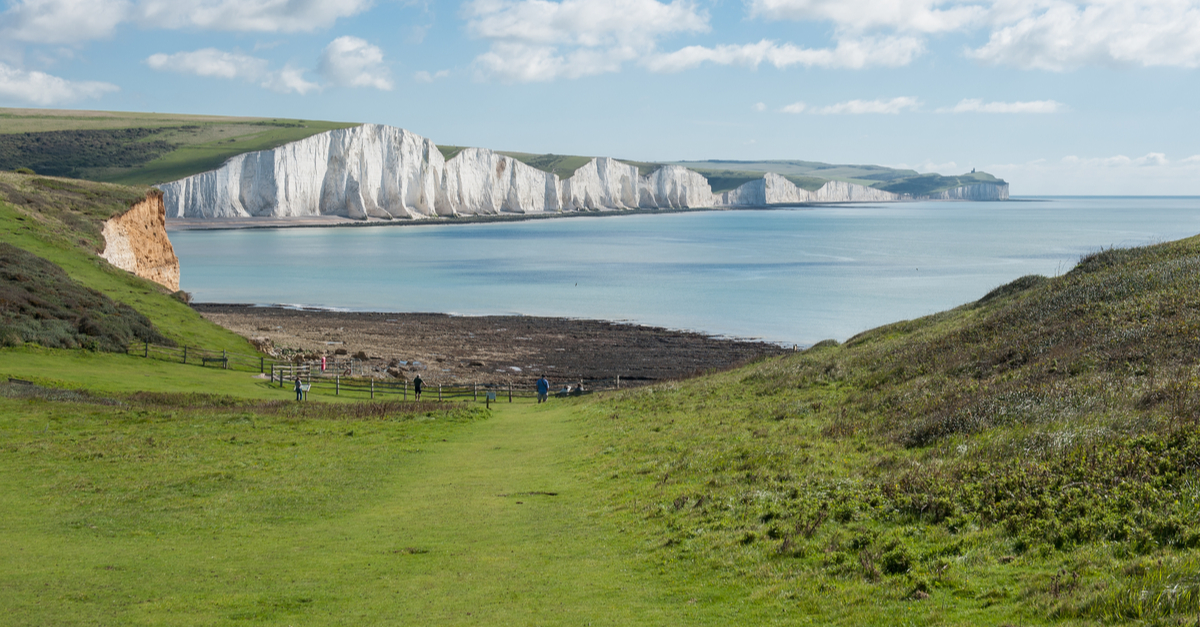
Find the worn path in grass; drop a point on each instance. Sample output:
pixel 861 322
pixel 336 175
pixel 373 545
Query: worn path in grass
pixel 496 528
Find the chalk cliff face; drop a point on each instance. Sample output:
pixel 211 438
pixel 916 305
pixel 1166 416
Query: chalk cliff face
pixel 374 171
pixel 774 189
pixel 675 187
pixel 136 241
pixel 602 184
pixel 479 181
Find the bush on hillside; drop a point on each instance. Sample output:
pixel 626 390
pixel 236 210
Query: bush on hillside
pixel 40 304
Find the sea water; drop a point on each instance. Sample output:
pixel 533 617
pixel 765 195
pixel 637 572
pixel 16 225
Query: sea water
pixel 786 275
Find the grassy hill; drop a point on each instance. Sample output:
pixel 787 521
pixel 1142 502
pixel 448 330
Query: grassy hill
pixel 137 148
pixel 1030 457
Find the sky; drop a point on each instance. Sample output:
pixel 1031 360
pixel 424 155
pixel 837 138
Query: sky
pixel 1055 96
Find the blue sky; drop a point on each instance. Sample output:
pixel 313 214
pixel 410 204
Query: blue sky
pixel 1057 96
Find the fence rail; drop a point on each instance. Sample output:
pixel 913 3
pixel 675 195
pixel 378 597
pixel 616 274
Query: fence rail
pixel 349 377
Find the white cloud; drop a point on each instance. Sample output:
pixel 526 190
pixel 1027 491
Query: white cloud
pixel 289 80
pixel 39 88
pixel 975 105
pixel 1055 35
pixel 1120 161
pixel 859 107
pixel 1151 174
pixel 62 21
pixel 538 40
pixel 247 15
pixel 210 62
pixel 849 53
pixel 923 16
pixel 353 62
pixel 760 106
pixel 213 63
pixel 77 21
pixel 1059 35
pixel 426 77
pixel 856 107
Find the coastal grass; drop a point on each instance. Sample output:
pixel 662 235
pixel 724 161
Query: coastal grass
pixel 116 373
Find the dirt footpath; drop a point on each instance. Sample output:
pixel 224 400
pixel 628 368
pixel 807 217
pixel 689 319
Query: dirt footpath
pixel 490 349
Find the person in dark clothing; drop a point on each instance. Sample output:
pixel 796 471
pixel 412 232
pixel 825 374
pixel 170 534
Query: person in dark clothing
pixel 417 385
pixel 299 390
pixel 543 389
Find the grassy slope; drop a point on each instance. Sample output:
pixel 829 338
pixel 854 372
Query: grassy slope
pixel 200 143
pixel 69 238
pixel 1031 457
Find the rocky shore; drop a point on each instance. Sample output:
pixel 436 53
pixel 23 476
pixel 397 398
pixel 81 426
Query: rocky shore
pixel 490 349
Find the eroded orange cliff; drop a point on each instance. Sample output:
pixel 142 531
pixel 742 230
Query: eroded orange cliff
pixel 137 241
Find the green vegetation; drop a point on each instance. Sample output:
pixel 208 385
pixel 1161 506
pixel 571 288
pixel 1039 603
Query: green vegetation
pixel 562 165
pixel 39 303
pixel 810 170
pixel 137 148
pixel 1033 456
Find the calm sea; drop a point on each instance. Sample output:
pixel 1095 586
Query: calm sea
pixel 784 275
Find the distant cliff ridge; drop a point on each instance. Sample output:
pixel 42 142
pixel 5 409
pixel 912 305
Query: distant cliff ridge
pixel 375 171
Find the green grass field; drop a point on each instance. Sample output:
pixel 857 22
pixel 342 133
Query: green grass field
pixel 173 146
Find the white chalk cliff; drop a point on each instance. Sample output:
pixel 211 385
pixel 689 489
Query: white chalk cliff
pixel 375 171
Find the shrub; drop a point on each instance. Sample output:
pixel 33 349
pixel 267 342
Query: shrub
pixel 39 303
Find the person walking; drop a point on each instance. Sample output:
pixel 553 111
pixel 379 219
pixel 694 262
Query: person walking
pixel 299 390
pixel 543 389
pixel 418 383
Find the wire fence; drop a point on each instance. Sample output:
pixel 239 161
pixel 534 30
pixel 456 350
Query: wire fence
pixel 349 377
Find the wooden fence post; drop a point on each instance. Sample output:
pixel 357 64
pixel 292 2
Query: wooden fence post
pixel 337 385
pixel 146 350
pixel 439 392
pixel 406 389
pixel 618 382
pixel 224 360
pixel 475 390
pixel 372 389
pixel 185 354
pixel 260 364
pixel 510 391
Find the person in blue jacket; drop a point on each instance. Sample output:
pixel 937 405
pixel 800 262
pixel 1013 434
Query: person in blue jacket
pixel 543 389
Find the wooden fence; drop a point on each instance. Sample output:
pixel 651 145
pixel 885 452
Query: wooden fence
pixel 348 377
